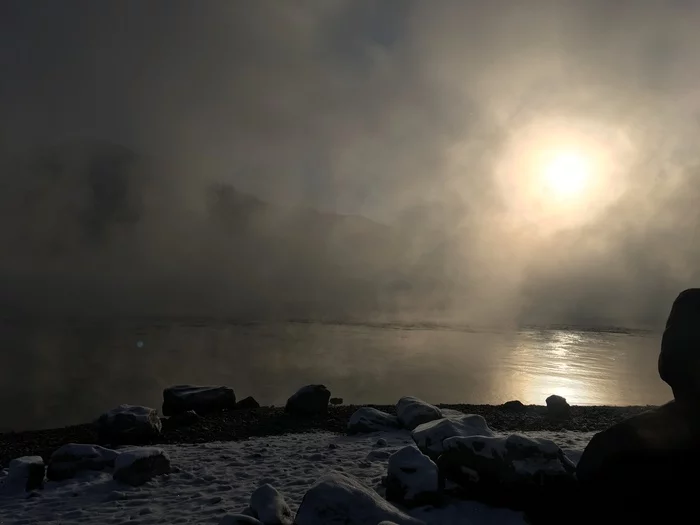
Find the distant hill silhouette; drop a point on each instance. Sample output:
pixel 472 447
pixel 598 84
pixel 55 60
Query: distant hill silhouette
pixel 93 226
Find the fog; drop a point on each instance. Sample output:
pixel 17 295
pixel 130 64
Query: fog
pixel 348 159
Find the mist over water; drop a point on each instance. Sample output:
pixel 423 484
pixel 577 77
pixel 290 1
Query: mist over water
pixel 68 373
pixel 342 160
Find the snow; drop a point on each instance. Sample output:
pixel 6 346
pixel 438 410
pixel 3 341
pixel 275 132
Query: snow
pixel 129 456
pixel 211 480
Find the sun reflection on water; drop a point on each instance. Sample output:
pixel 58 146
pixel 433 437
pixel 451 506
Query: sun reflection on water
pixel 552 362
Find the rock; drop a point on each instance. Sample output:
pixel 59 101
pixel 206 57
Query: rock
pixel 381 442
pixel 338 499
pixel 72 458
pixel 25 473
pixel 451 413
pixel 514 406
pixel 412 478
pixel 557 407
pixel 138 465
pixel 649 455
pixel 268 506
pixel 239 519
pixel 309 400
pixel 430 436
pixel 129 423
pixel 368 419
pixel 247 403
pixel 336 401
pixel 185 419
pixel 412 412
pixel 202 399
pixel 680 347
pixel 513 471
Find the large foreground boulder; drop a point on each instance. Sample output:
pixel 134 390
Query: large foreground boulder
pixel 139 465
pixel 412 478
pixel 269 506
pixel 309 400
pixel 25 473
pixel 412 412
pixel 368 419
pixel 202 399
pixel 338 499
pixel 514 471
pixel 430 436
pixel 129 424
pixel 72 458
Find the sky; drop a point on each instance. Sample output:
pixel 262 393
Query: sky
pixel 427 117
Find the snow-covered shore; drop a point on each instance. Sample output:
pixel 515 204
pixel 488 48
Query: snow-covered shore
pixel 213 479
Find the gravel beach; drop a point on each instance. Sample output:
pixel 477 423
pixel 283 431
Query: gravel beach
pixel 271 421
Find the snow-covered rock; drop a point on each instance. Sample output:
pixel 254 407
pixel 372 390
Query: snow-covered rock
pixel 430 436
pixel 412 478
pixel 368 419
pixel 451 413
pixel 309 400
pixel 557 407
pixel 129 422
pixel 269 506
pixel 338 499
pixel 239 519
pixel 69 459
pixel 515 459
pixel 412 412
pixel 202 399
pixel 138 465
pixel 25 473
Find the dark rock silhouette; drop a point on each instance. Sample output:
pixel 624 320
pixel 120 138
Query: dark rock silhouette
pixel 202 399
pixel 309 400
pixel 247 403
pixel 650 456
pixel 557 407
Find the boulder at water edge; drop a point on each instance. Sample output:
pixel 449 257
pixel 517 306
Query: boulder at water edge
pixel 25 473
pixel 309 400
pixel 72 458
pixel 514 406
pixel 412 412
pixel 138 465
pixel 368 419
pixel 247 403
pixel 430 436
pixel 512 471
pixel 338 499
pixel 269 506
pixel 202 399
pixel 128 424
pixel 412 478
pixel 557 407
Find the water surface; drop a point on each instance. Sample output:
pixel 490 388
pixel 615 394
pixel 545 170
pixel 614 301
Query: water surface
pixel 59 373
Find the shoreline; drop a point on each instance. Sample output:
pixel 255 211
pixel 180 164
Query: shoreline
pixel 237 425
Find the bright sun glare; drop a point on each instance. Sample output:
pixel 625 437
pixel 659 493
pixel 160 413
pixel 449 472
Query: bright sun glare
pixel 566 173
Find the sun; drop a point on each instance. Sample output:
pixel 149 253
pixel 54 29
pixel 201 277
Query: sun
pixel 566 173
